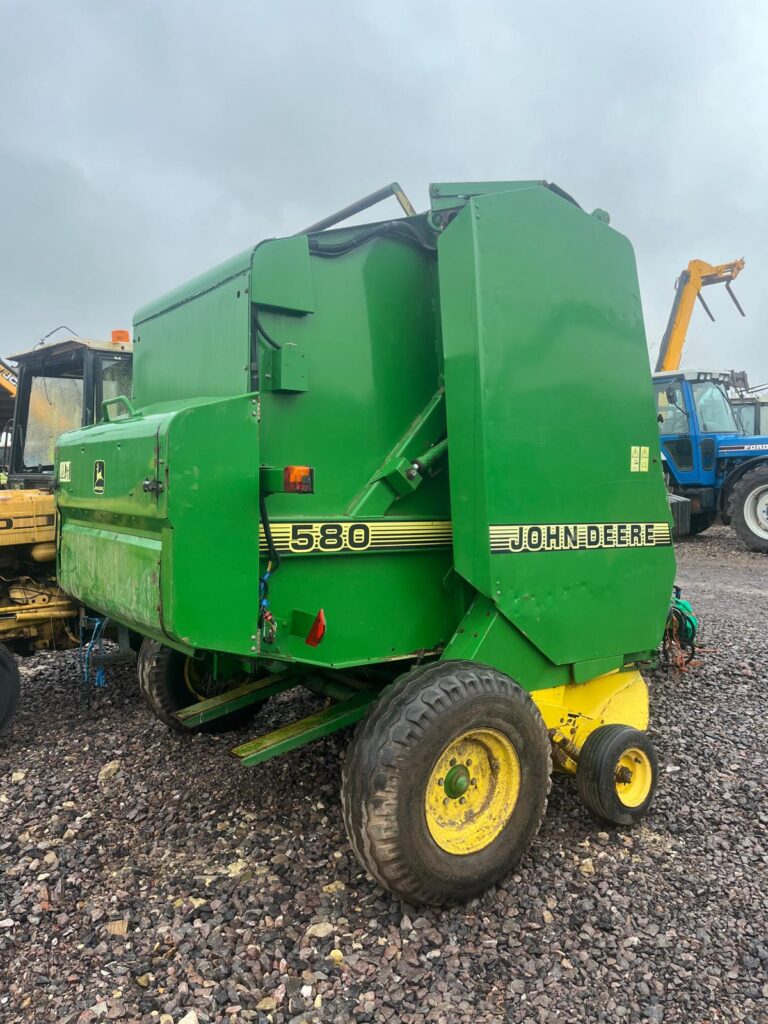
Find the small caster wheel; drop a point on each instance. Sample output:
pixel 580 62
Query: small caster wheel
pixel 617 774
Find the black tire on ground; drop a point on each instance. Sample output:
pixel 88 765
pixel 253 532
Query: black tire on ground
pixel 163 687
pixel 747 508
pixel 605 752
pixel 10 687
pixel 391 766
pixel 701 521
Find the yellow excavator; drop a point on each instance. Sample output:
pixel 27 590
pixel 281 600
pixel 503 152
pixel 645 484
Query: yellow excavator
pixel 688 288
pixel 59 387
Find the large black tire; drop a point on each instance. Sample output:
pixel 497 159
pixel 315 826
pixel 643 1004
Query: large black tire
pixel 748 508
pixel 162 684
pixel 701 521
pixel 10 687
pixel 606 752
pixel 391 766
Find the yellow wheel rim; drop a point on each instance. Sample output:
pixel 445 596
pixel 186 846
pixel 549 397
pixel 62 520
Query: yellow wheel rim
pixel 472 791
pixel 634 777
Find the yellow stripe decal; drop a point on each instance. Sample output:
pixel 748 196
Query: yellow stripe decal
pixel 334 537
pixel 577 536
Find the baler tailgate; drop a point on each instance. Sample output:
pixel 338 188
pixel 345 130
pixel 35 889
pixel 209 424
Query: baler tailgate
pixel 570 539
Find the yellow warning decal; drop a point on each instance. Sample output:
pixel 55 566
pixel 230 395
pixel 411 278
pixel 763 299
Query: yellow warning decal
pixel 335 537
pixel 577 536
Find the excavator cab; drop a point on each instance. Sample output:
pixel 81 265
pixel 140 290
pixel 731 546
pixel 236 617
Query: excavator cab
pixel 62 387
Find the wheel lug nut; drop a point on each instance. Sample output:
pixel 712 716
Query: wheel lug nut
pixel 469 762
pixel 463 800
pixel 441 782
pixel 453 761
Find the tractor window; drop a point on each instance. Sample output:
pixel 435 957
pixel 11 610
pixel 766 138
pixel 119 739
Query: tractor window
pixel 747 418
pixel 713 408
pixel 673 419
pixel 55 406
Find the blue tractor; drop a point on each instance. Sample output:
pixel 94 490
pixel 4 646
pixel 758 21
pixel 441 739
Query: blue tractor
pixel 709 458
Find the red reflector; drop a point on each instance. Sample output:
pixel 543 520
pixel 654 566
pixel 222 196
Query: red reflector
pixel 299 479
pixel 317 632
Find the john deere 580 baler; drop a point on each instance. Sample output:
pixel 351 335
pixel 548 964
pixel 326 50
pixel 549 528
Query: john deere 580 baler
pixel 412 466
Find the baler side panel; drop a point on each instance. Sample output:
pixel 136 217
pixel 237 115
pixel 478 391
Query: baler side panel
pixel 372 368
pixel 544 342
pixel 112 531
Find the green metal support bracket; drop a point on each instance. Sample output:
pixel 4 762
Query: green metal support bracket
pixel 305 730
pixel 249 693
pixel 396 476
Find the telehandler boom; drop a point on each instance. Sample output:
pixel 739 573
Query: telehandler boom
pixel 688 286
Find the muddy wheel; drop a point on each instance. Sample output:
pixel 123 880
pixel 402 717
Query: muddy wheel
pixel 170 681
pixel 445 783
pixel 748 508
pixel 10 687
pixel 617 774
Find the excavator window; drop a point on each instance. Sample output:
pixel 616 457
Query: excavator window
pixel 115 377
pixel 55 406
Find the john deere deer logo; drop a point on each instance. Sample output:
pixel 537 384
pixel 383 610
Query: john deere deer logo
pixel 98 476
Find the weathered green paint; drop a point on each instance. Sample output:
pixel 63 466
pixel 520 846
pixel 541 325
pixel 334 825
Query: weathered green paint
pixel 505 354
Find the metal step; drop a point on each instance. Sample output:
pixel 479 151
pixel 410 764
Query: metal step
pixel 216 707
pixel 296 734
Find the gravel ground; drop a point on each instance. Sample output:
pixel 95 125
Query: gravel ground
pixel 182 887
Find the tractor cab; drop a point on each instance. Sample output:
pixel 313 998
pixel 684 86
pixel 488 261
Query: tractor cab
pixel 62 387
pixel 709 457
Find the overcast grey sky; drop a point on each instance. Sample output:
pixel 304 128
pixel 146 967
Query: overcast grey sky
pixel 142 142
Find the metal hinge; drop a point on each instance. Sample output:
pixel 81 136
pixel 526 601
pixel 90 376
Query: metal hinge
pixel 152 486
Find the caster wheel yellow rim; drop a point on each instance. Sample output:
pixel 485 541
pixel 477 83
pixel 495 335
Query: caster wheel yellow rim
pixel 634 777
pixel 472 791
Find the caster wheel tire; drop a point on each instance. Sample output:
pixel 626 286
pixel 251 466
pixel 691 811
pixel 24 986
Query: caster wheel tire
pixel 446 781
pixel 617 774
pixel 10 687
pixel 169 681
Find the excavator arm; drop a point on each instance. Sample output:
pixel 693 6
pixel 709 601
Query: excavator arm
pixel 8 378
pixel 696 276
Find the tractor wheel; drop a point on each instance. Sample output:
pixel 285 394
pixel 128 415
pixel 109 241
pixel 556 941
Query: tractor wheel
pixel 701 521
pixel 748 508
pixel 617 773
pixel 445 783
pixel 9 688
pixel 169 681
